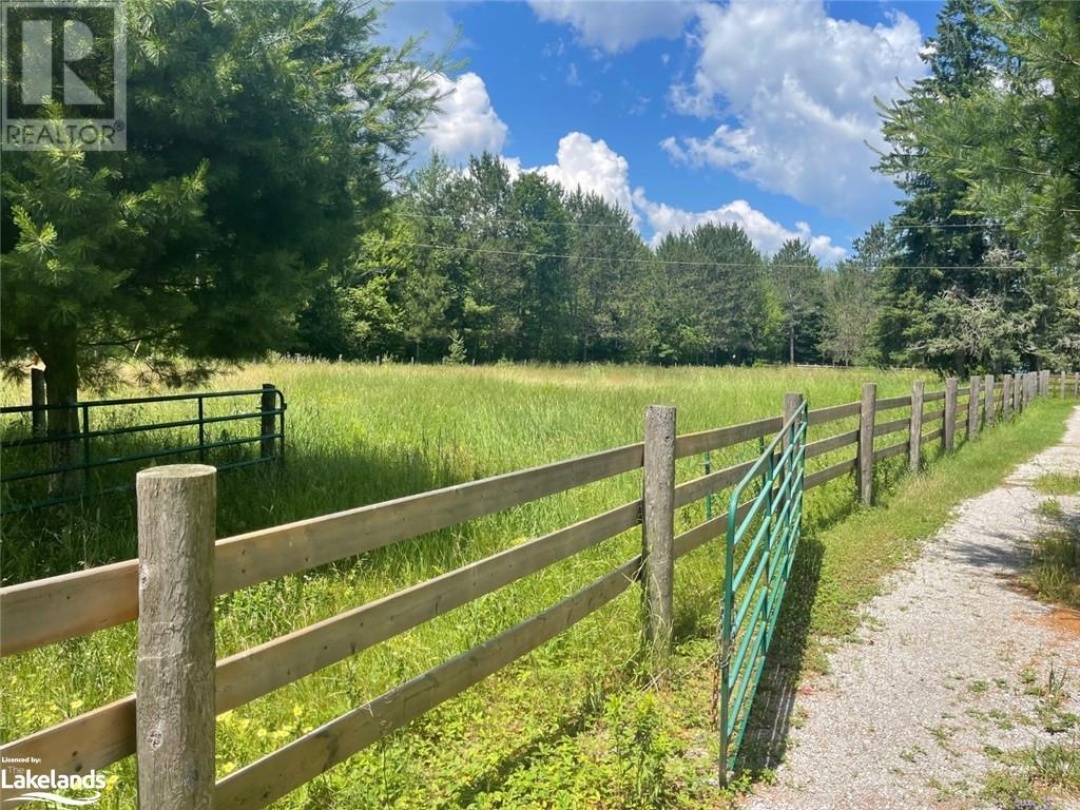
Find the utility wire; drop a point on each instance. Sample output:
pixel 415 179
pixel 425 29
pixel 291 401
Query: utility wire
pixel 675 263
pixel 571 224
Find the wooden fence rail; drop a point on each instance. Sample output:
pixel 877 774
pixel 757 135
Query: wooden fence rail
pixel 178 561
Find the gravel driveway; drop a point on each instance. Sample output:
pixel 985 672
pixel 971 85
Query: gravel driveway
pixel 953 664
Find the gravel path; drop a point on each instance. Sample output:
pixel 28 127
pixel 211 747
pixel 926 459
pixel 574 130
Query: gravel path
pixel 951 661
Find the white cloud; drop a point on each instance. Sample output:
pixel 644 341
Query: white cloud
pixel 795 91
pixel 617 26
pixel 593 166
pixel 465 123
pixel 767 235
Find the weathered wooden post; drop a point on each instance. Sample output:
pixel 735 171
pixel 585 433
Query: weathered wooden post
pixel 988 406
pixel 1061 379
pixel 1006 396
pixel 949 428
pixel 1045 383
pixel 1076 385
pixel 39 415
pixel 866 443
pixel 174 678
pixel 658 527
pixel 918 388
pixel 269 419
pixel 973 409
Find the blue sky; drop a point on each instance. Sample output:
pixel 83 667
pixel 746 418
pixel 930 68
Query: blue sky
pixel 757 113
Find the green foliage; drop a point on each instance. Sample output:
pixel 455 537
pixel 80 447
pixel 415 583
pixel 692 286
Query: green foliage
pixel 1057 483
pixel 457 355
pixel 796 276
pixel 260 136
pixel 850 306
pixel 1053 572
pixel 987 276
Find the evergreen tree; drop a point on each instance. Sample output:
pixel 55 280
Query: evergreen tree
pixel 259 138
pixel 797 279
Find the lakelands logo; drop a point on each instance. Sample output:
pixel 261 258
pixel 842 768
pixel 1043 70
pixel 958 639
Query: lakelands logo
pixel 64 66
pixel 18 777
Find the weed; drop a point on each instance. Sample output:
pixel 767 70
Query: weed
pixel 1058 483
pixel 1050 509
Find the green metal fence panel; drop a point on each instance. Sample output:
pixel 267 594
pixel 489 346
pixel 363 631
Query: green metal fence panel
pixel 29 465
pixel 759 556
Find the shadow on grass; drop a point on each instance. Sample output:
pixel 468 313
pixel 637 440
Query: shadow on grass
pixel 499 771
pixel 99 530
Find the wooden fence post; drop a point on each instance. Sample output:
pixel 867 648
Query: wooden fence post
pixel 1061 378
pixel 988 400
pixel 973 409
pixel 37 400
pixel 174 678
pixel 1006 396
pixel 1020 384
pixel 949 428
pixel 1045 383
pixel 866 443
pixel 658 526
pixel 1076 385
pixel 915 429
pixel 269 419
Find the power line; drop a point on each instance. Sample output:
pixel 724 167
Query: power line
pixel 604 226
pixel 675 263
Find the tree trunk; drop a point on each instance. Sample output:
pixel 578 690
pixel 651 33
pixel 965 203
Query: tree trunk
pixel 62 389
pixel 791 345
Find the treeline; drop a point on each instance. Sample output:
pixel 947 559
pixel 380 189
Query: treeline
pixel 474 265
pixel 978 271
pixel 215 235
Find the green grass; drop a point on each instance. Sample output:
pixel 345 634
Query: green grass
pixel 1053 571
pixel 1036 776
pixel 1057 483
pixel 601 735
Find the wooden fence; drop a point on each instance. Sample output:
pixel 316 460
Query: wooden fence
pixel 171 586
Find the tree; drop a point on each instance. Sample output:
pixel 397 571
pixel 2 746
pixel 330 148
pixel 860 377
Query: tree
pixel 259 137
pixel 796 276
pixel 850 307
pixel 940 241
pixel 491 317
pixel 539 234
pixel 1005 144
pixel 709 298
pixel 608 261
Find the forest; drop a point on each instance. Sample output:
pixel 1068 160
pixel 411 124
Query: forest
pixel 217 237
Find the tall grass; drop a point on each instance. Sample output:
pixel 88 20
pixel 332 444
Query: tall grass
pixel 360 434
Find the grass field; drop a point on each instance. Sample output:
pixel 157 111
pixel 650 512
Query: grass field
pixel 569 726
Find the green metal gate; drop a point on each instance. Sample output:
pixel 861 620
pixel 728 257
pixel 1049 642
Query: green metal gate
pixel 762 537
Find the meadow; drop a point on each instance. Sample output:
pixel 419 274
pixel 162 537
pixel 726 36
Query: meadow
pixel 578 722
